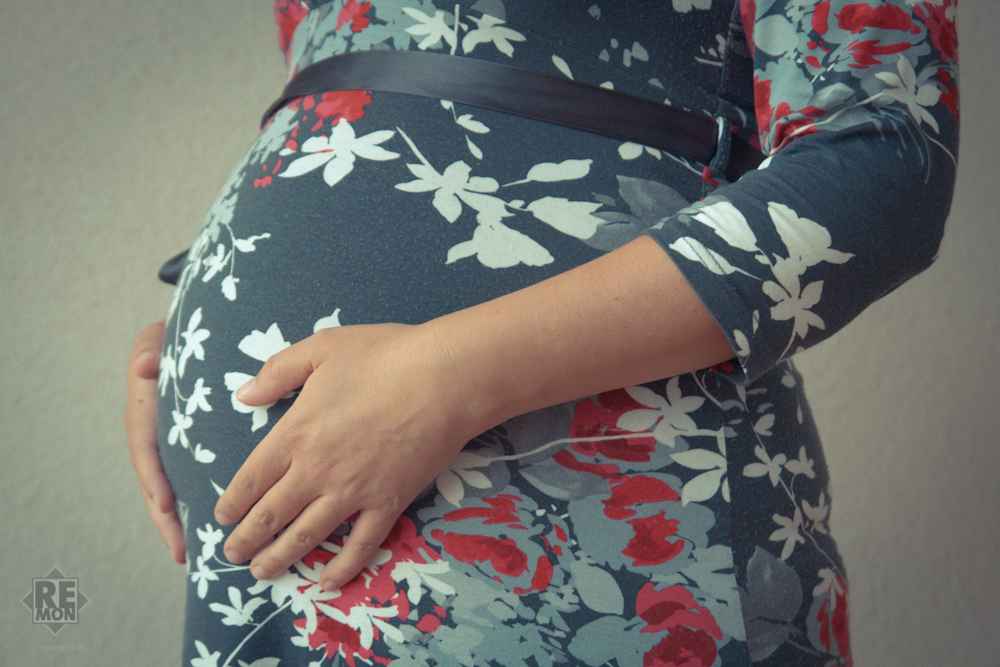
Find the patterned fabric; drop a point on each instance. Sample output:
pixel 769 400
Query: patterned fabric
pixel 677 523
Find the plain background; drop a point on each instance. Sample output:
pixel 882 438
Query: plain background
pixel 119 123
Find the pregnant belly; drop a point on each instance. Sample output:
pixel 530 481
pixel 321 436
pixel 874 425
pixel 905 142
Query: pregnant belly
pixel 361 208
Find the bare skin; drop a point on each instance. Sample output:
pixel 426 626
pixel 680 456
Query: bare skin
pixel 140 427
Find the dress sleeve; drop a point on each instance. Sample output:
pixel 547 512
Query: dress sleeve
pixel 856 107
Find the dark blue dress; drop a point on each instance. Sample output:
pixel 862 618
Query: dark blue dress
pixel 677 523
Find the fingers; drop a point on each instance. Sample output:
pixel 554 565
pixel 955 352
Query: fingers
pixel 281 373
pixel 170 530
pixel 144 361
pixel 368 532
pixel 267 463
pixel 311 527
pixel 279 507
pixel 140 416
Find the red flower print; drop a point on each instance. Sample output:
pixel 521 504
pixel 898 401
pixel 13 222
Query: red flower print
pixel 821 17
pixel 374 588
pixel 833 619
pixel 356 13
pixel 692 631
pixel 500 552
pixel 944 36
pixel 865 52
pixel 287 14
pixel 726 367
pixel 949 93
pixel 682 648
pixel 650 545
pixel 651 542
pixel 748 10
pixel 501 510
pixel 629 491
pixel 783 129
pixel 857 16
pixel 597 416
pixel 347 104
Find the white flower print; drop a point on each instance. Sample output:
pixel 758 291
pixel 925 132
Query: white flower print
pixel 573 218
pixel 768 466
pixel 827 582
pixel 168 369
pixel 339 152
pixel 807 241
pixel 202 575
pixel 432 28
pixel 193 339
pixel 669 414
pixel 789 532
pixel 198 398
pixel 205 658
pixel 178 431
pixel 684 6
pixel 802 465
pixel 210 538
pixel 498 246
pixel 330 321
pixel 260 346
pixel 729 223
pixel 237 612
pixel 490 29
pixel 418 575
pixel 916 93
pixel 450 188
pixel 818 514
pixel 364 618
pixel 704 486
pixel 302 594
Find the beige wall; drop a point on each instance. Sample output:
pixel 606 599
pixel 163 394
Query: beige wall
pixel 119 120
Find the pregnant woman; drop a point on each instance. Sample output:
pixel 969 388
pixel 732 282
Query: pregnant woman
pixel 442 384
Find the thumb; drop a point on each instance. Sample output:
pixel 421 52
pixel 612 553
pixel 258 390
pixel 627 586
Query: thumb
pixel 283 372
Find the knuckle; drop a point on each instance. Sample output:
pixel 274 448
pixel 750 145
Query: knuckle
pixel 274 368
pixel 265 518
pixel 296 434
pixel 247 483
pixel 303 537
pixel 365 547
pixel 394 502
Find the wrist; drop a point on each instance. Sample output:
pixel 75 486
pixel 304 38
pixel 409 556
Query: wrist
pixel 469 372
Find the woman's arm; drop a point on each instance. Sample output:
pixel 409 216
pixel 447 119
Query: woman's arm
pixel 624 318
pixel 857 108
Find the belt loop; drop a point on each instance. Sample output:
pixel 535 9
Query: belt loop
pixel 715 172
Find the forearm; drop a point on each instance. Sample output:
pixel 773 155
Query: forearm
pixel 627 317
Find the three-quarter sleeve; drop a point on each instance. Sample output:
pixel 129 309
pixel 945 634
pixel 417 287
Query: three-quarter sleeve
pixel 856 107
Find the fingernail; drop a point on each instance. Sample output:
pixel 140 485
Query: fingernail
pixel 242 392
pixel 327 584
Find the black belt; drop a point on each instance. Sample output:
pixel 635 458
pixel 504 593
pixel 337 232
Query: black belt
pixel 518 91
pixel 523 92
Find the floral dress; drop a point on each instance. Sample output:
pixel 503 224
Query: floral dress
pixel 682 522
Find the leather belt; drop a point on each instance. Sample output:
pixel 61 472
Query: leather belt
pixel 523 92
